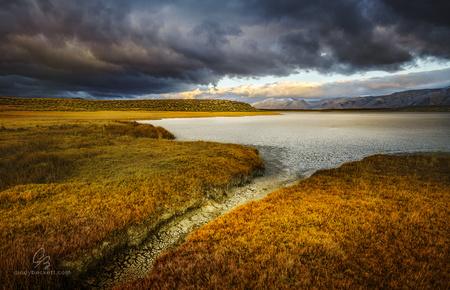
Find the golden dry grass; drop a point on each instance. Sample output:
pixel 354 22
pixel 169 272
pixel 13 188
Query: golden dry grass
pixel 378 223
pixel 68 187
pixel 9 118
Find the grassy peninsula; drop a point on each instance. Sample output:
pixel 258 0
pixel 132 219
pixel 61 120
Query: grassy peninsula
pixel 44 109
pixel 178 105
pixel 378 223
pixel 69 187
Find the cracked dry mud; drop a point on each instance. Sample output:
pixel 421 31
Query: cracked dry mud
pixel 136 262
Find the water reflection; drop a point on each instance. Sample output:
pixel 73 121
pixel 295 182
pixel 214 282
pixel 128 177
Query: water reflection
pixel 300 143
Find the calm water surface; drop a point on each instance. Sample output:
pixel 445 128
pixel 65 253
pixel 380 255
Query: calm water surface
pixel 300 143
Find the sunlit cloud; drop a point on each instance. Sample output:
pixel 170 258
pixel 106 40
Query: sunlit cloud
pixel 317 90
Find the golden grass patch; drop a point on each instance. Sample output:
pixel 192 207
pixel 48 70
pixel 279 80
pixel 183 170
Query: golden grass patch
pixel 378 223
pixel 69 187
pixel 9 118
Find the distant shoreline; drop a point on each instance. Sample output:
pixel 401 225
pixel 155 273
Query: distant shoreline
pixel 435 108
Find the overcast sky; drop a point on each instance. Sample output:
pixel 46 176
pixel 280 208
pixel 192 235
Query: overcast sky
pixel 232 49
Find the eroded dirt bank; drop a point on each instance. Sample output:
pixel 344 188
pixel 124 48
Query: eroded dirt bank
pixel 135 261
pixel 130 255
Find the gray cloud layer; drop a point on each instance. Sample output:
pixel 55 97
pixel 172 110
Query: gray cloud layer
pixel 320 90
pixel 128 48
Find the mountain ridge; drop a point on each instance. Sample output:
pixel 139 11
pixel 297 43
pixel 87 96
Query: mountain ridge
pixel 424 97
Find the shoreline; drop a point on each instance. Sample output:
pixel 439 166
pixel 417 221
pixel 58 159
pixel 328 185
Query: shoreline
pixel 29 116
pixel 410 109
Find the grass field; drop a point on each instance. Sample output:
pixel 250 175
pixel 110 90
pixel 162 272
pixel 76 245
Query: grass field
pixel 67 187
pixel 53 104
pixel 34 117
pixel 34 111
pixel 378 223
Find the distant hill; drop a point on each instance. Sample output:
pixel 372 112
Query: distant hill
pixel 428 97
pixel 284 103
pixel 50 104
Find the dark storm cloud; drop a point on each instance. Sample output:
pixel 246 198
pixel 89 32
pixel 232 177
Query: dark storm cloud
pixel 130 48
pixel 423 25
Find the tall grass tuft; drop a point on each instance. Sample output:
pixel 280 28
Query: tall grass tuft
pixel 140 130
pixel 32 167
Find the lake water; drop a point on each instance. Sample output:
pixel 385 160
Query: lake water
pixel 301 143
